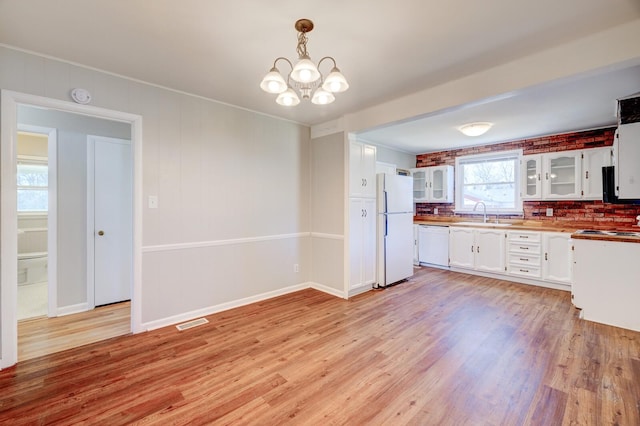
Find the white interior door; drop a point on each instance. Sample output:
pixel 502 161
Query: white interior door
pixel 113 220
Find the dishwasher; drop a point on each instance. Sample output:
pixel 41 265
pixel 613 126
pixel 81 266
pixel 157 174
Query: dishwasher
pixel 433 246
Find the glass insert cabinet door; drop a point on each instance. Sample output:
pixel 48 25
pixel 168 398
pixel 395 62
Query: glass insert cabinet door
pixel 533 177
pixel 562 175
pixel 420 190
pixel 437 184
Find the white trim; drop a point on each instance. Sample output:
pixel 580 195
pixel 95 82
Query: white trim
pixel 152 325
pixel 512 278
pixel 187 316
pixel 359 290
pixel 73 309
pixel 326 289
pixel 90 232
pixel 215 243
pixel 9 101
pixel 327 236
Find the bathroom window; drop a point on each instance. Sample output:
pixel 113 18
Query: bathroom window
pixel 33 191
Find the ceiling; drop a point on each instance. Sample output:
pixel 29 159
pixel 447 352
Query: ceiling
pixel 221 49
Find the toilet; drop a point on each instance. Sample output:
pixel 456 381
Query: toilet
pixel 32 268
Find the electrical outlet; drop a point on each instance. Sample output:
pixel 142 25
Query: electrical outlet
pixel 549 212
pixel 296 268
pixel 435 210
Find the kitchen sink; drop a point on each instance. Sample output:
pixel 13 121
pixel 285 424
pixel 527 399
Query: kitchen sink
pixel 487 224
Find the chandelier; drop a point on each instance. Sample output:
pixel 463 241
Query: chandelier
pixel 305 77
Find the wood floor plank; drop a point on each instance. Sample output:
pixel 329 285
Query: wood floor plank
pixel 442 348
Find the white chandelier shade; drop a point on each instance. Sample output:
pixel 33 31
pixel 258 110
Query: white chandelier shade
pixel 305 79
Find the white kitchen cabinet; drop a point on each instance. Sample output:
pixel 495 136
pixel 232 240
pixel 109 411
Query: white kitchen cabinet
pixel 362 170
pixel 433 184
pixel 461 247
pixel 593 160
pixel 531 171
pixel 573 175
pixel 557 264
pixel 562 175
pixel 606 282
pixel 628 156
pixel 433 242
pixel 362 242
pixel 524 249
pixel 416 242
pixel 477 248
pixel 490 249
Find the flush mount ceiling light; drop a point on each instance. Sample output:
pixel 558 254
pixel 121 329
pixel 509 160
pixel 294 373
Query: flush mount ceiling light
pixel 305 77
pixel 475 129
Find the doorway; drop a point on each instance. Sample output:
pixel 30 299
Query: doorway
pixel 11 101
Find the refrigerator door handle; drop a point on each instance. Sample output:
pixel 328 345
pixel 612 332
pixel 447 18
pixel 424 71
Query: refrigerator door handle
pixel 385 202
pixel 386 226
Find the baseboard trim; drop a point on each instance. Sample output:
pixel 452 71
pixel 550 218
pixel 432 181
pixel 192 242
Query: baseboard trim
pixel 520 280
pixel 72 309
pixel 326 289
pixel 210 310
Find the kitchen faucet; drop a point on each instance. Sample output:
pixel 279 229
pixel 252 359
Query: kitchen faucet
pixel 484 210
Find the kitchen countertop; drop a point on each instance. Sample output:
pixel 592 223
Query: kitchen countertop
pixel 545 225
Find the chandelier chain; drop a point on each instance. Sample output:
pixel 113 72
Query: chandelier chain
pixel 302 45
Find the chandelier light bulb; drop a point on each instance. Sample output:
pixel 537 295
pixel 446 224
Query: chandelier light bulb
pixel 305 71
pixel 322 97
pixel 288 98
pixel 335 82
pixel 273 82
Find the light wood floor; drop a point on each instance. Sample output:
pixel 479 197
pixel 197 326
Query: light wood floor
pixel 44 336
pixel 442 349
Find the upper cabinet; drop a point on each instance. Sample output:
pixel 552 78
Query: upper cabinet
pixel 433 184
pixel 572 175
pixel 561 172
pixel 362 170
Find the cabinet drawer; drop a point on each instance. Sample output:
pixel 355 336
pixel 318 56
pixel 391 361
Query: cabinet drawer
pixel 524 248
pixel 524 236
pixel 525 271
pixel 524 260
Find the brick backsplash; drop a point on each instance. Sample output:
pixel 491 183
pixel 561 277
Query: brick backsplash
pixel 583 211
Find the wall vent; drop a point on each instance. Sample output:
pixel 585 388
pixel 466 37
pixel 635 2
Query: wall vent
pixel 191 324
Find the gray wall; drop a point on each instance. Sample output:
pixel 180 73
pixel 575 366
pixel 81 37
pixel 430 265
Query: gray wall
pixel 402 160
pixel 327 210
pixel 232 185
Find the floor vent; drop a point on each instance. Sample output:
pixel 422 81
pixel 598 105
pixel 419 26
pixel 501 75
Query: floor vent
pixel 191 324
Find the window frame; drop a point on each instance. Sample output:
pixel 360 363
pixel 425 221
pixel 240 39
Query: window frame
pixel 497 155
pixel 35 161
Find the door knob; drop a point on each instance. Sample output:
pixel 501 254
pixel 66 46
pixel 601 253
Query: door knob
pixel 101 233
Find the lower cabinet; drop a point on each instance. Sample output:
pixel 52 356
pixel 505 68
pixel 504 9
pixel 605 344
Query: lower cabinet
pixel 532 255
pixel 557 263
pixel 362 242
pixel 478 249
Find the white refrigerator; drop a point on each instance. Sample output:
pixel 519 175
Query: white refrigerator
pixel 395 228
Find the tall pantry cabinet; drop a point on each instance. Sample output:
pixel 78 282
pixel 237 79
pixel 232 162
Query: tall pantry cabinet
pixel 362 216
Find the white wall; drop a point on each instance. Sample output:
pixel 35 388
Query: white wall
pixel 232 185
pixel 402 160
pixel 327 210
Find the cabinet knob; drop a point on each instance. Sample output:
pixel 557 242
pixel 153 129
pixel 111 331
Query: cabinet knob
pixel 101 233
